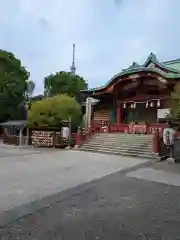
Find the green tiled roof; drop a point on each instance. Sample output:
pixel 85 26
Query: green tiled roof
pixel 152 58
pixel 132 66
pixel 16 123
pixel 175 64
pixel 172 66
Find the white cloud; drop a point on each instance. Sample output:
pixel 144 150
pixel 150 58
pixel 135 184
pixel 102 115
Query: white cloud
pixel 109 34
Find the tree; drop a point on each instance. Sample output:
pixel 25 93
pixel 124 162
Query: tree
pixel 37 98
pixel 64 83
pixel 175 106
pixel 50 111
pixel 13 85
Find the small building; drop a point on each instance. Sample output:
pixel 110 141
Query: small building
pixel 137 95
pixel 14 132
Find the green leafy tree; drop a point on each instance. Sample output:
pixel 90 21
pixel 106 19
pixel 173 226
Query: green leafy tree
pixel 50 111
pixel 64 83
pixel 37 98
pixel 13 85
pixel 175 106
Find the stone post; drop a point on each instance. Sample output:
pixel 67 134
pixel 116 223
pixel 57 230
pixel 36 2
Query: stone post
pixel 20 136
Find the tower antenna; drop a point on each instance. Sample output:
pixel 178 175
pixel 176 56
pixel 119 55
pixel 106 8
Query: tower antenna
pixel 73 66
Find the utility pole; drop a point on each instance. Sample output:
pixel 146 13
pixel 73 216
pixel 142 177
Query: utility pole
pixel 73 66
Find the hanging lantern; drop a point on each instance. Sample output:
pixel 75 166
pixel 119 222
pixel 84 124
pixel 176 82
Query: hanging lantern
pixel 134 105
pixel 146 104
pixel 158 103
pixel 151 104
pixel 124 105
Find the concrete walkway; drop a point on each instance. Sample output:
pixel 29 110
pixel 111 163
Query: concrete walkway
pixel 35 174
pixel 161 172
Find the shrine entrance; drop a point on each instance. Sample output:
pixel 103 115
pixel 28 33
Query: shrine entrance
pixel 140 99
pixel 140 114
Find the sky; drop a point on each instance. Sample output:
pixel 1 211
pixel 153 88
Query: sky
pixel 109 35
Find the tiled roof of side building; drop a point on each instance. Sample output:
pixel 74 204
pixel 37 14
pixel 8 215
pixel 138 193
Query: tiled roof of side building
pixel 172 66
pixel 172 61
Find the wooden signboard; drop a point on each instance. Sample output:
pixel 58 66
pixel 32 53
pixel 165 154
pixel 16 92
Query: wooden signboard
pixel 42 138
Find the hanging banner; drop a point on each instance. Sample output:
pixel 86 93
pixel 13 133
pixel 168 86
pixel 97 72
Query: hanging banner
pixel 163 113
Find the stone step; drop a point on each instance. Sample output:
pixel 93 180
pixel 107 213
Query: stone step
pixel 122 136
pixel 119 133
pixel 123 148
pixel 119 149
pixel 109 143
pixel 126 142
pixel 122 144
pixel 139 155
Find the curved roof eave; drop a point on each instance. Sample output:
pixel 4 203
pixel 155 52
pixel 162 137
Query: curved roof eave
pixel 160 65
pixel 133 71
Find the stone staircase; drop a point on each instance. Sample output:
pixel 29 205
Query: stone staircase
pixel 123 144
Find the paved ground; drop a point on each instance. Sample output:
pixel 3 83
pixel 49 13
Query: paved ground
pixel 27 174
pixel 122 205
pixel 163 172
pixel 114 207
pixel 167 166
pixel 11 151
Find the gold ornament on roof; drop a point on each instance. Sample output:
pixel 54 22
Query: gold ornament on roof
pixel 161 79
pixel 134 77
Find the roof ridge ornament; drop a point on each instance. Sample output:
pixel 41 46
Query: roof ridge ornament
pixel 151 65
pixel 152 57
pixel 135 64
pixel 151 61
pixel 132 66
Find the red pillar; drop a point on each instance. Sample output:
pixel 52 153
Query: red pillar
pixel 89 131
pixel 78 138
pixel 156 142
pixel 118 114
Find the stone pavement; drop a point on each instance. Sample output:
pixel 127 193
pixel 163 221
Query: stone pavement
pixel 27 175
pixel 82 195
pixel 167 166
pixel 113 207
pixel 161 172
pixel 14 151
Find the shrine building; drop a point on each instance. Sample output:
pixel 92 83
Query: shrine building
pixel 138 95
